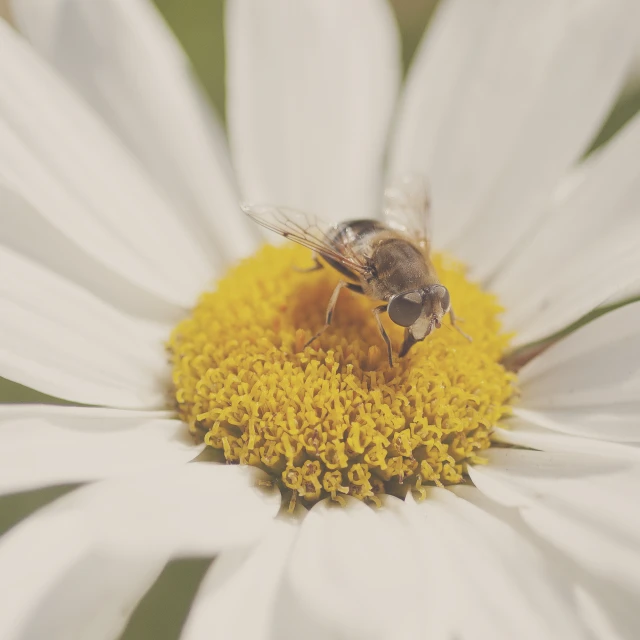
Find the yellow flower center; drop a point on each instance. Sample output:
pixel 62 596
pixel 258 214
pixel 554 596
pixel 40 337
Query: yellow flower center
pixel 334 418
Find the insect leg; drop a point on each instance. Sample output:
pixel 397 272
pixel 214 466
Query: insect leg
pixel 355 287
pixel 377 311
pixel 330 309
pixel 455 326
pixel 317 265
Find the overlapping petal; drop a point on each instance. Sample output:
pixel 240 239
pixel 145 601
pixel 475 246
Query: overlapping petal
pixel 30 234
pixel 581 504
pixel 61 340
pixel 42 446
pixel 502 99
pixel 443 568
pixel 122 58
pixel 606 611
pixel 585 251
pixel 197 509
pixel 499 585
pixel 70 169
pixel 588 383
pixel 531 436
pixel 336 574
pixel 55 583
pixel 81 564
pixel 240 589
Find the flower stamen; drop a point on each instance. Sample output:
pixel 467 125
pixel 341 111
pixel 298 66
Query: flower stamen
pixel 334 418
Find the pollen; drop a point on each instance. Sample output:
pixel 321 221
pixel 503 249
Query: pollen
pixel 334 419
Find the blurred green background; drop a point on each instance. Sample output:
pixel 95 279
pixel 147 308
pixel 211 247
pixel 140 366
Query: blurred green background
pixel 198 25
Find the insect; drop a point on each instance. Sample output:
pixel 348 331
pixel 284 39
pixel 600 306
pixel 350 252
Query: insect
pixel 388 261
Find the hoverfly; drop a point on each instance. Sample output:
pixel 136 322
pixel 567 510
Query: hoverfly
pixel 388 261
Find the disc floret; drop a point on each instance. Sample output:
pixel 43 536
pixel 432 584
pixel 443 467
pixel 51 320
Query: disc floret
pixel 334 418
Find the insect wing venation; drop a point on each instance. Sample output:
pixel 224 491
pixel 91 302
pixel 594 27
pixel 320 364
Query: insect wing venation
pixel 406 206
pixel 310 232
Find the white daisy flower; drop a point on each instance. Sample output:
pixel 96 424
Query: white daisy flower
pixel 119 208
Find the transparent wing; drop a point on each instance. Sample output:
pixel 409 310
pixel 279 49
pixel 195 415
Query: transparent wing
pixel 407 204
pixel 308 231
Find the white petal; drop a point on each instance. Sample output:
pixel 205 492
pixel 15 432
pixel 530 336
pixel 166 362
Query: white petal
pixel 194 509
pixel 608 612
pixel 54 584
pixel 522 434
pixel 613 422
pixel 90 536
pixel 507 587
pixel 125 62
pixel 80 417
pixel 31 234
pixel 586 506
pixel 599 624
pixel 503 97
pixel 589 382
pixel 585 252
pixel 67 164
pixel 77 444
pixel 238 580
pixel 59 339
pixel 344 563
pixel 95 598
pixel 310 88
pixel 405 569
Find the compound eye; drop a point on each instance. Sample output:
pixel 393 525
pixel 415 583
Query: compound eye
pixel 445 299
pixel 405 308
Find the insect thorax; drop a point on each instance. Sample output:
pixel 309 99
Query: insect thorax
pixel 400 266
